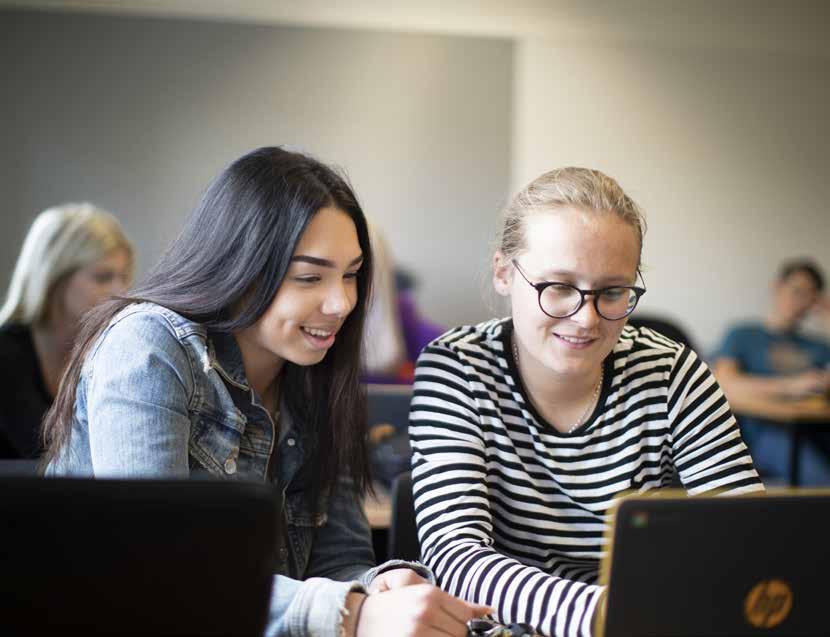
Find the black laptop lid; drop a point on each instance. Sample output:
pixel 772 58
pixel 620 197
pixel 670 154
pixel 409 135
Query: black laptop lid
pixel 720 566
pixel 146 557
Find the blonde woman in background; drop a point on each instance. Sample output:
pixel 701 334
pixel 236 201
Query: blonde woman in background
pixel 384 349
pixel 74 256
pixel 395 331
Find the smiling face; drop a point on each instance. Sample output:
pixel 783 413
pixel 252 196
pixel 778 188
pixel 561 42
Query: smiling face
pixel 318 293
pixel 586 249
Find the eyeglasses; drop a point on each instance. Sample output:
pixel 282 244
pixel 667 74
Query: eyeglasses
pixel 561 300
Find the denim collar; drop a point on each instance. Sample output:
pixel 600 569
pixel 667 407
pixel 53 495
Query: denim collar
pixel 226 357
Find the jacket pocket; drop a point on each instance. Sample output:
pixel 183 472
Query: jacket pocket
pixel 215 440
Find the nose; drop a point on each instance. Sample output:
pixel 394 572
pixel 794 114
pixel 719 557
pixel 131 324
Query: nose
pixel 587 316
pixel 338 301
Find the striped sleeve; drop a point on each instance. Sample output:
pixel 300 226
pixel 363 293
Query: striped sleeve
pixel 453 510
pixel 709 453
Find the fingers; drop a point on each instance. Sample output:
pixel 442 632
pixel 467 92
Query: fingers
pixel 419 610
pixel 453 614
pixel 463 611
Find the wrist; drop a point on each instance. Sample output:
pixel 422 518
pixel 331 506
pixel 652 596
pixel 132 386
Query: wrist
pixel 351 613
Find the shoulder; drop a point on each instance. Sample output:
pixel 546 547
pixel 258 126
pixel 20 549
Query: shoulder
pixel 17 351
pixel 148 332
pixel 481 341
pixel 474 352
pixel 646 363
pixel 636 340
pixel 643 350
pixel 152 318
pixel 747 331
pixel 15 340
pixel 814 342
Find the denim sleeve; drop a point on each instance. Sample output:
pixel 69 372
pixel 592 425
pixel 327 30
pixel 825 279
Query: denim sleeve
pixel 140 383
pixel 311 607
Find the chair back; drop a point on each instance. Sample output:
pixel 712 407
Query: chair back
pixel 403 532
pixel 388 407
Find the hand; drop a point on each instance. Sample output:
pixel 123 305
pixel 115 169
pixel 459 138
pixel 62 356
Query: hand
pixel 396 578
pixel 813 381
pixel 421 610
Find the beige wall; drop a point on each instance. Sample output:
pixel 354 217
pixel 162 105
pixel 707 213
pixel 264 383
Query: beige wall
pixel 727 149
pixel 137 114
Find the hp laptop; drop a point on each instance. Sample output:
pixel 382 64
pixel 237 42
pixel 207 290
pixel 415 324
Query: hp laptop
pixel 135 557
pixel 706 566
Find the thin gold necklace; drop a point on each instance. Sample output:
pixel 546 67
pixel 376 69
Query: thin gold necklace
pixel 594 394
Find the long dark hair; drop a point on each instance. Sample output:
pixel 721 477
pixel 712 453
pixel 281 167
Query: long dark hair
pixel 224 270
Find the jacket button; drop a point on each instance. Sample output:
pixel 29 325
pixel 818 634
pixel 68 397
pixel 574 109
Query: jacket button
pixel 291 442
pixel 230 466
pixel 283 554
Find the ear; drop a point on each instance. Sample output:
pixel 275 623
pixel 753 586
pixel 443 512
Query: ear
pixel 502 274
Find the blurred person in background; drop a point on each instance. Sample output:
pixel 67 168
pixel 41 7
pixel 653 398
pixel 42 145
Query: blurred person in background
pixel 73 257
pixel 776 359
pixel 395 331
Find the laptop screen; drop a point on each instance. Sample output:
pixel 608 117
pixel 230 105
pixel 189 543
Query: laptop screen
pixel 704 566
pixel 137 557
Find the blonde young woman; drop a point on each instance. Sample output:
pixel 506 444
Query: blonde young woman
pixel 74 256
pixel 525 429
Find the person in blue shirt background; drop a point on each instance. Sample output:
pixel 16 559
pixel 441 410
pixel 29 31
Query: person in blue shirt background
pixel 774 358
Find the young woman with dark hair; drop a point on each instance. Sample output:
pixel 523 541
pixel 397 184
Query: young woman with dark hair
pixel 239 356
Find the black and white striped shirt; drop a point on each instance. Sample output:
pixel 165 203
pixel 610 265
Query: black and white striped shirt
pixel 512 513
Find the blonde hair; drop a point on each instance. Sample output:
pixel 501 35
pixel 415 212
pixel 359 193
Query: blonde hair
pixel 582 188
pixel 60 241
pixel 384 348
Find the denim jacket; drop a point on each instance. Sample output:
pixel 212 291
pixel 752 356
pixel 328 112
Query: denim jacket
pixel 159 396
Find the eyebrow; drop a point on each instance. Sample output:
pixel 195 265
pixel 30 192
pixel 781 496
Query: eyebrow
pixel 325 263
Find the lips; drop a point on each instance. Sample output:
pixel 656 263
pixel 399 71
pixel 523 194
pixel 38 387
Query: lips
pixel 317 332
pixel 319 337
pixel 575 342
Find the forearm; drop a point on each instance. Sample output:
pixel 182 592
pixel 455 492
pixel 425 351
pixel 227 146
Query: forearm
pixel 707 449
pixel 315 606
pixel 741 388
pixel 553 605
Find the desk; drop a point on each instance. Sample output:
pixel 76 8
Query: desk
pixel 378 509
pixel 797 417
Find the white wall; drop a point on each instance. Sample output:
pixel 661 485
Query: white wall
pixel 712 114
pixel 727 150
pixel 138 114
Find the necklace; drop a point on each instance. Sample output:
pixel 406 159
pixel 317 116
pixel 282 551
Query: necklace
pixel 591 402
